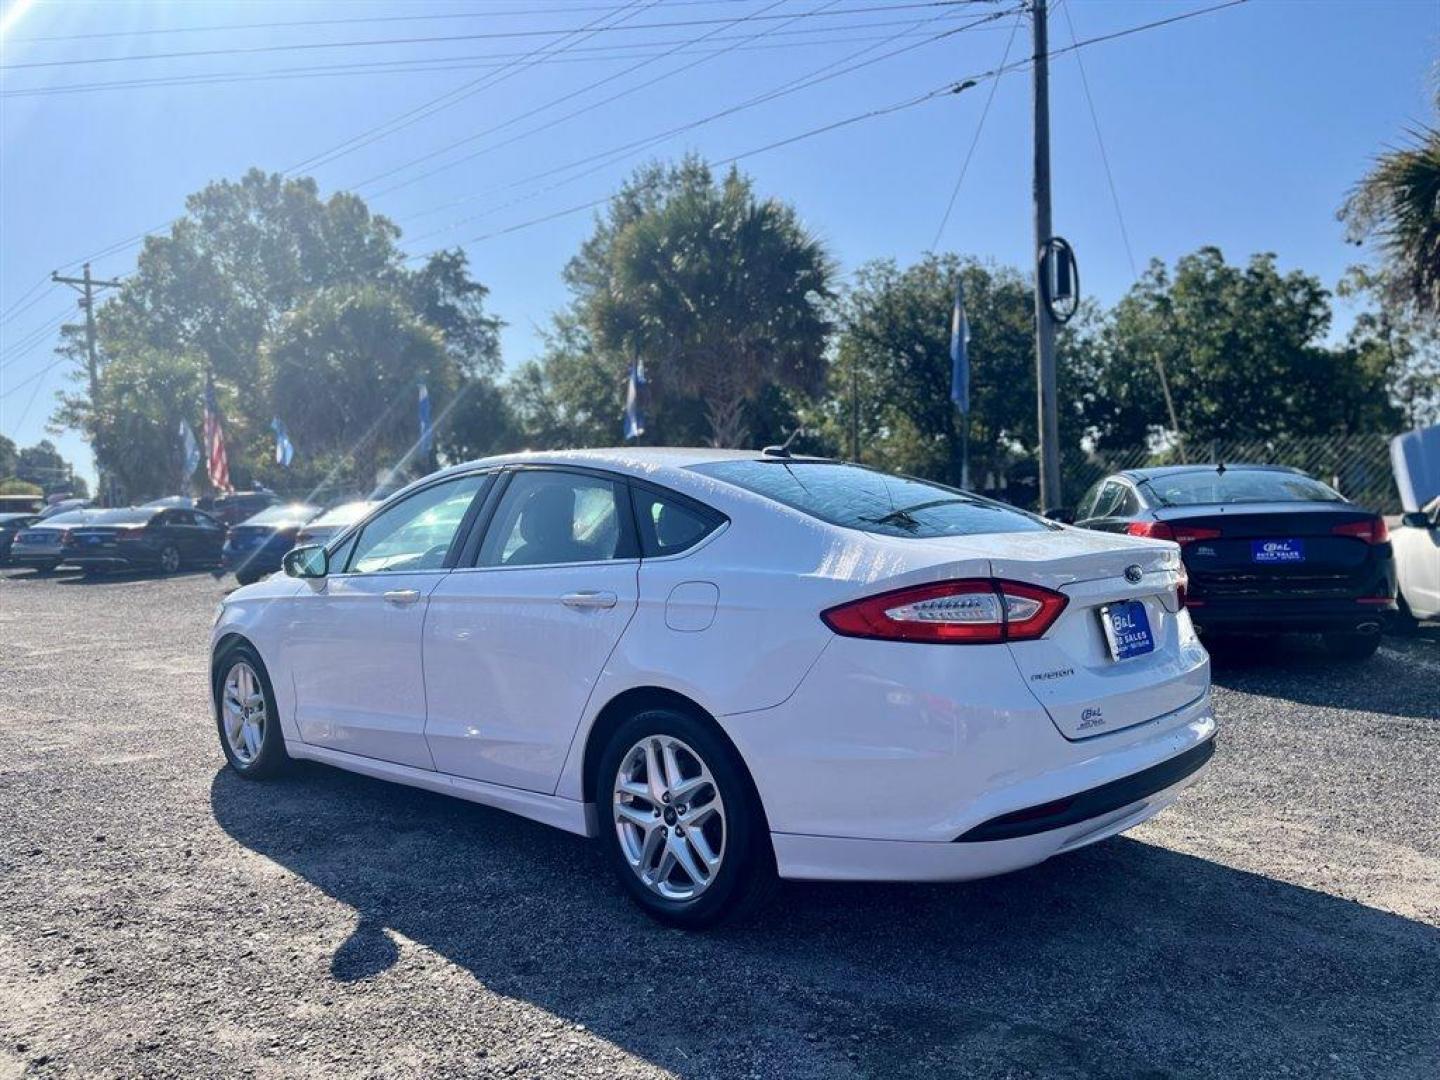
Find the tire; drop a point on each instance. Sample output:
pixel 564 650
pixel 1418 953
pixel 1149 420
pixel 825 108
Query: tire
pixel 253 756
pixel 45 568
pixel 246 577
pixel 1351 646
pixel 1403 622
pixel 169 559
pixel 734 831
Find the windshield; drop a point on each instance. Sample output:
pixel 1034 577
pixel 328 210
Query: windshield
pixel 128 515
pixel 1238 486
pixel 279 515
pixel 861 498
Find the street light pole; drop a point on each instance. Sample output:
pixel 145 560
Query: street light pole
pixel 1045 381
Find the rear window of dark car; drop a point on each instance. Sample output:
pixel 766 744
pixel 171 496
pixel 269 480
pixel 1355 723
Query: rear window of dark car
pixel 1238 486
pixel 130 515
pixel 290 513
pixel 877 502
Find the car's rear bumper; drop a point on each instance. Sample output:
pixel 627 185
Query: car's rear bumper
pixel 262 560
pixel 38 558
pixel 1291 616
pixel 831 858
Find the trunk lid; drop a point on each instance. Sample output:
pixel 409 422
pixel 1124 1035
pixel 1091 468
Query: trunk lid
pixel 1288 550
pixel 1071 670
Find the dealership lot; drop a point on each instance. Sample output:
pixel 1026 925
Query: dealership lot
pixel 160 917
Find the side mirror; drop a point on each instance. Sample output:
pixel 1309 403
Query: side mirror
pixel 307 562
pixel 1063 514
pixel 1417 519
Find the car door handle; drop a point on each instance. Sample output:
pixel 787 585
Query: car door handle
pixel 402 596
pixel 590 599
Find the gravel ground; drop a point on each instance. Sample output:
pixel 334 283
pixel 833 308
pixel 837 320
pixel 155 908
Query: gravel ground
pixel 159 917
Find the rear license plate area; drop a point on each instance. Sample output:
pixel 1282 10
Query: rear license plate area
pixel 1127 630
pixel 1270 552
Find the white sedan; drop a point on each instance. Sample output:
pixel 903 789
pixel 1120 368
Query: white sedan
pixel 1417 563
pixel 731 666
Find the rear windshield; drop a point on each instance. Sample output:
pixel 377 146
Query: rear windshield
pixel 70 517
pixel 128 515
pixel 1238 486
pixel 860 498
pixel 277 515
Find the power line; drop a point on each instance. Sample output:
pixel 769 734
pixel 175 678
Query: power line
pixel 474 86
pixel 975 139
pixel 33 337
pixel 563 98
pixel 509 13
pixel 953 87
pixel 11 312
pixel 1104 156
pixel 430 40
pixel 608 157
pixel 815 35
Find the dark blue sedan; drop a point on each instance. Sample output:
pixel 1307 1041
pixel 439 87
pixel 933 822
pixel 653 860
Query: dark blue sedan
pixel 255 547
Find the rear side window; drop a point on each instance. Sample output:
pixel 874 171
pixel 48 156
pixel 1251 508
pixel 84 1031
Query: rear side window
pixel 876 502
pixel 1238 486
pixel 669 523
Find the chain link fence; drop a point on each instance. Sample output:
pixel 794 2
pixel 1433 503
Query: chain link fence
pixel 1358 466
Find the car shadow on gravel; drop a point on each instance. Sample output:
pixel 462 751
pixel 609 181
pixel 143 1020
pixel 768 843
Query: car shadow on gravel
pixel 1399 680
pixel 1124 959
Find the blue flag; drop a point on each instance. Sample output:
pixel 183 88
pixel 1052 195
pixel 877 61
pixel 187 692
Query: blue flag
pixel 190 449
pixel 960 353
pixel 634 420
pixel 427 432
pixel 284 448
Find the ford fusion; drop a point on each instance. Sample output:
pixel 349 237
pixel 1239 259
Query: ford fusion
pixel 1267 549
pixel 731 666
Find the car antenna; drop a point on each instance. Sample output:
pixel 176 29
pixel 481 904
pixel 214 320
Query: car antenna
pixel 783 450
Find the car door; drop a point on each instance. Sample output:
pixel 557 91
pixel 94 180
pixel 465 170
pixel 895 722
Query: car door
pixel 355 635
pixel 178 527
pixel 209 538
pixel 515 643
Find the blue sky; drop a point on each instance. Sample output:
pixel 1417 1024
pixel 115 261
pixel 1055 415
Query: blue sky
pixel 1241 128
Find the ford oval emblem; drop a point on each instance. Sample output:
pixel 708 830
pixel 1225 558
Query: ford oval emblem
pixel 1133 574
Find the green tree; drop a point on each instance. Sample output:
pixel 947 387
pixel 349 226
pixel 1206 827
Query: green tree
pixel 343 370
pixel 1397 340
pixel 9 456
pixel 893 359
pixel 1397 205
pixel 721 294
pixel 144 396
pixel 1245 354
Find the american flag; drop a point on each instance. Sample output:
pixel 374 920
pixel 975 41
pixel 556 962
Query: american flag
pixel 215 442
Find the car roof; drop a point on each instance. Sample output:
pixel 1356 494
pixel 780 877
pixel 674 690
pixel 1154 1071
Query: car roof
pixel 635 461
pixel 1172 470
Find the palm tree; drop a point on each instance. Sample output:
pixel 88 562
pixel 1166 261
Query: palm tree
pixel 1398 204
pixel 720 294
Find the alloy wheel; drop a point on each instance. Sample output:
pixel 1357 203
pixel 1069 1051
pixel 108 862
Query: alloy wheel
pixel 669 817
pixel 169 559
pixel 242 702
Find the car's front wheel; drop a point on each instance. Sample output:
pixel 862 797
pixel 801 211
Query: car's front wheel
pixel 246 716
pixel 680 821
pixel 169 559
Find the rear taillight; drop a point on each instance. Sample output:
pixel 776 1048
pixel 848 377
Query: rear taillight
pixel 1181 534
pixel 971 612
pixel 1371 530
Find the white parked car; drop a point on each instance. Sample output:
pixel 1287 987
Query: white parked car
pixel 1417 563
pixel 730 665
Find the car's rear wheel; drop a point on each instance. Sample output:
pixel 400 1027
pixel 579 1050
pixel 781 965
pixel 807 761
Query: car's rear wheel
pixel 680 821
pixel 246 716
pixel 1351 646
pixel 169 559
pixel 246 577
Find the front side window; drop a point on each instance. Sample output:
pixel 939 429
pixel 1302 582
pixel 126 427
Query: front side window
pixel 415 533
pixel 547 518
pixel 877 502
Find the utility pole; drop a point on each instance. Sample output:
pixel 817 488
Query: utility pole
pixel 87 286
pixel 1045 383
